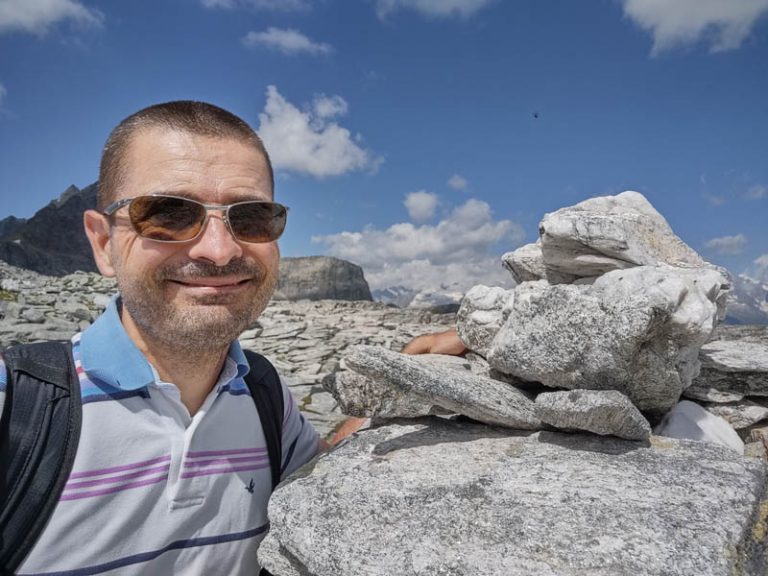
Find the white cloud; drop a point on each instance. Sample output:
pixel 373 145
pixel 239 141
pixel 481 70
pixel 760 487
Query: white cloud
pixel 287 41
pixel 3 93
pixel 455 253
pixel 273 5
pixel 759 270
pixel 727 245
pixel 713 199
pixel 421 205
pixel 756 193
pixel 432 8
pixel 36 16
pixel 310 142
pixel 328 107
pixel 457 182
pixel 724 24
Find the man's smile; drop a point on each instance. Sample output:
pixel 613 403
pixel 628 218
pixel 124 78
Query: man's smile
pixel 216 284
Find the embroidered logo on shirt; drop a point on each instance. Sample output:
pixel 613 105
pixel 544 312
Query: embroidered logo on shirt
pixel 250 486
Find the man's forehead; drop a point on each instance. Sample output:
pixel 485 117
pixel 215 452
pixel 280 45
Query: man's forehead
pixel 168 160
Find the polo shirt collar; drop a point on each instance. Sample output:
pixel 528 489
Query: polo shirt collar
pixel 108 354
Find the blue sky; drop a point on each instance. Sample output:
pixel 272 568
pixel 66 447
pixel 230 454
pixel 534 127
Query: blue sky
pixel 404 131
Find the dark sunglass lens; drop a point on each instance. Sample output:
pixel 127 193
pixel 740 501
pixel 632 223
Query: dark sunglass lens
pixel 257 221
pixel 166 219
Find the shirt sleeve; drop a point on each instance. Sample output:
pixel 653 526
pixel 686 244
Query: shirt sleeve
pixel 300 440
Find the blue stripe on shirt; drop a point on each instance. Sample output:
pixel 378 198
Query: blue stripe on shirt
pixel 147 556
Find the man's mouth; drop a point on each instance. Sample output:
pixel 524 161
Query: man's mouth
pixel 213 284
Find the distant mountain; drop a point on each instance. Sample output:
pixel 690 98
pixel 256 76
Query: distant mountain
pixel 10 225
pixel 443 300
pixel 52 242
pixel 747 301
pixel 399 296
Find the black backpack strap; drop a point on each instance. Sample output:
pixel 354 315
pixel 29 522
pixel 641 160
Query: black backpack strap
pixel 39 432
pixel 267 392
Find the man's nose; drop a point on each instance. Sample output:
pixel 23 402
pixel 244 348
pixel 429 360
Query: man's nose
pixel 216 244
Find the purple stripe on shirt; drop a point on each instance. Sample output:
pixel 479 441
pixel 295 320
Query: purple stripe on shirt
pixel 255 457
pixel 115 479
pixel 123 468
pixel 226 452
pixel 147 482
pixel 211 471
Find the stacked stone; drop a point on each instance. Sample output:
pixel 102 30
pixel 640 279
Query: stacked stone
pixel 610 305
pixel 605 331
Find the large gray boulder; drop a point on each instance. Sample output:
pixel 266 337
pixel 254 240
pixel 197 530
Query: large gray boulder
pixel 432 498
pixel 637 331
pixel 611 233
pixel 321 278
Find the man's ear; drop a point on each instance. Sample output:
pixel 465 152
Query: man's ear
pixel 97 230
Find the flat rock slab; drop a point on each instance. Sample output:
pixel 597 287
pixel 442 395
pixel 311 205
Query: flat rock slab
pixel 604 412
pixel 731 370
pixel 361 396
pixel 479 398
pixel 432 497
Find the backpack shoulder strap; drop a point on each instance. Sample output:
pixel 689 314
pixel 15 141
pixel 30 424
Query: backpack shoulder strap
pixel 39 432
pixel 267 392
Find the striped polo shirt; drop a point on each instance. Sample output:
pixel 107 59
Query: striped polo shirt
pixel 153 489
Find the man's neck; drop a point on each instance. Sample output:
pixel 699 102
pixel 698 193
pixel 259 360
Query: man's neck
pixel 194 373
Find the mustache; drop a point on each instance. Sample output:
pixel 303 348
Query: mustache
pixel 196 269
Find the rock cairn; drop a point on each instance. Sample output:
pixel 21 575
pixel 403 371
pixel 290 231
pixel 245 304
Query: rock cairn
pixel 305 340
pixel 611 323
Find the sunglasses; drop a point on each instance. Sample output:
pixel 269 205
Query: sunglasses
pixel 176 219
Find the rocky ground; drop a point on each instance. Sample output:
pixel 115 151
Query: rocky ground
pixel 305 340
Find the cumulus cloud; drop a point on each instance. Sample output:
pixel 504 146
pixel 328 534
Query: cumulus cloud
pixel 727 245
pixel 454 253
pixel 458 182
pixel 310 141
pixel 432 8
pixel 272 5
pixel 287 41
pixel 723 24
pixel 36 16
pixel 756 193
pixel 759 269
pixel 421 205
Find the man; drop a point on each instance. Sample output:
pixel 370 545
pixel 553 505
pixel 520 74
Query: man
pixel 171 474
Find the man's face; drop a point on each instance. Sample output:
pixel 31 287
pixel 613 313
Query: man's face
pixel 202 293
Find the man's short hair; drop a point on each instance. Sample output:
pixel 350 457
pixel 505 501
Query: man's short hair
pixel 189 116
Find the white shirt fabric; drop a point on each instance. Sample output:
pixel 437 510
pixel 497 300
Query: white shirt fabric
pixel 153 489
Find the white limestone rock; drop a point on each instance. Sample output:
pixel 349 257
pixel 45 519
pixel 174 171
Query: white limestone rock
pixel 481 315
pixel 611 233
pixel 637 331
pixel 604 412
